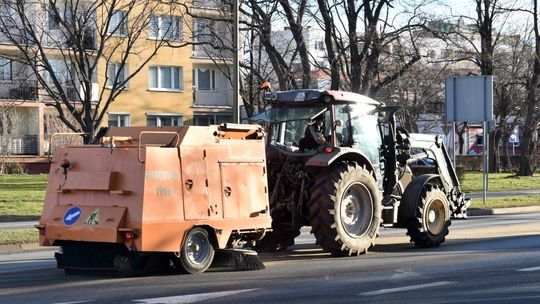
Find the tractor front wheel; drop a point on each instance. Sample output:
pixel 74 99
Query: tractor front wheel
pixel 430 226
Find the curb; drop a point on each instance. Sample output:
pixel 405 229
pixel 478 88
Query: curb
pixel 510 210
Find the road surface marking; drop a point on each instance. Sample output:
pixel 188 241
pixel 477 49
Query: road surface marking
pixel 404 273
pixel 405 288
pixel 530 269
pixel 191 298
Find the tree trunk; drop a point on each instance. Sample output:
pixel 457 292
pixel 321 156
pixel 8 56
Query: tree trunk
pixel 530 120
pixel 328 41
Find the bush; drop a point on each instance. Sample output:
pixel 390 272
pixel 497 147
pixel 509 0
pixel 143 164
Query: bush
pixel 11 168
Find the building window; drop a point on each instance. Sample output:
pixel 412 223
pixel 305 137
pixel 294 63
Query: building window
pixel 53 18
pixel 118 119
pixel 165 27
pixel 164 120
pixel 61 70
pixel 117 74
pixel 165 78
pixel 319 45
pixel 118 24
pixel 207 119
pixel 206 79
pixel 6 72
pixel 5 12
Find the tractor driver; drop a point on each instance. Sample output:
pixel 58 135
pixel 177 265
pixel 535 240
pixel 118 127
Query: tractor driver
pixel 314 134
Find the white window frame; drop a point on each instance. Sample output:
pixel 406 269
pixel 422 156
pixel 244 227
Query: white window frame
pixel 213 78
pixel 160 70
pixel 111 76
pixel 174 34
pixel 119 117
pixel 118 24
pixel 6 64
pixel 159 116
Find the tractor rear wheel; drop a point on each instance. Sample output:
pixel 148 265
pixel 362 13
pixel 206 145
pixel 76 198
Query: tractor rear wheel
pixel 197 252
pixel 430 226
pixel 345 210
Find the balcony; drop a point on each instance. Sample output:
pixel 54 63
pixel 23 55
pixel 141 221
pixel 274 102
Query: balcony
pixel 19 38
pixel 213 98
pixel 211 4
pixel 19 90
pixel 208 51
pixel 19 145
pixel 73 93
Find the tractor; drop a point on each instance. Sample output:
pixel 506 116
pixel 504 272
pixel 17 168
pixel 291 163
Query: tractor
pixel 360 178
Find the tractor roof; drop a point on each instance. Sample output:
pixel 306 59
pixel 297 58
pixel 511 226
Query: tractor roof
pixel 302 97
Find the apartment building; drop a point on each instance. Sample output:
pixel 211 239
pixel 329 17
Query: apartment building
pixel 183 84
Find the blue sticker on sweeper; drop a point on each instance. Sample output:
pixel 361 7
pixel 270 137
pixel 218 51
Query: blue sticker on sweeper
pixel 72 215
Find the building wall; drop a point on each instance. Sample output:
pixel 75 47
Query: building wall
pixel 138 99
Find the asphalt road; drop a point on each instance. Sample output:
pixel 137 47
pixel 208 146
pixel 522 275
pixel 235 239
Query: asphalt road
pixel 486 259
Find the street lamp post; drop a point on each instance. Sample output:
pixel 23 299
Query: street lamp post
pixel 236 63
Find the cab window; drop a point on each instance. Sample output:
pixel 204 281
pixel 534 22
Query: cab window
pixel 358 128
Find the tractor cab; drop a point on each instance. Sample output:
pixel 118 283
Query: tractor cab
pixel 349 122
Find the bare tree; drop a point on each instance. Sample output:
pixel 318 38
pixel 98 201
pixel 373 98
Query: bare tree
pixel 365 32
pixel 262 18
pixel 511 67
pixel 295 16
pixel 11 123
pixel 420 91
pixel 68 44
pixel 532 116
pixel 490 25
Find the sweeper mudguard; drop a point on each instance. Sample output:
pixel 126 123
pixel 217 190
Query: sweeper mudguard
pixel 147 189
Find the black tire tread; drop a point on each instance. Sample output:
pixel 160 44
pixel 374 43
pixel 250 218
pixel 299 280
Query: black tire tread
pixel 322 203
pixel 419 236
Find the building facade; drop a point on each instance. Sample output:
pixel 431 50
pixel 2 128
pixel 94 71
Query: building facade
pixel 184 83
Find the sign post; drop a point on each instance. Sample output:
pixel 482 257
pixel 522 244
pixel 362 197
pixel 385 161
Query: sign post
pixel 471 99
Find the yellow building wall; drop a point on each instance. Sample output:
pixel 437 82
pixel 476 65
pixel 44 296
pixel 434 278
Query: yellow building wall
pixel 138 99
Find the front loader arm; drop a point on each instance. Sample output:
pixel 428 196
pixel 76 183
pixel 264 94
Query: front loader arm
pixel 433 147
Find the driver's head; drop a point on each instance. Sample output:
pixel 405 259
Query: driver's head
pixel 319 120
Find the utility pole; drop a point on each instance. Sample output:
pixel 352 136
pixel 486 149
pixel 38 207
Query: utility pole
pixel 236 62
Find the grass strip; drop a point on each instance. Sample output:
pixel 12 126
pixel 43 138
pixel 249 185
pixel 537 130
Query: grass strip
pixel 473 182
pixel 18 236
pixel 506 201
pixel 21 196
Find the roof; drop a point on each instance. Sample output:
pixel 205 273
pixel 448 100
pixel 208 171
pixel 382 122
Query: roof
pixel 297 97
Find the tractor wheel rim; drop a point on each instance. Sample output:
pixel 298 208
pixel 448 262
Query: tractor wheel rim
pixel 197 249
pixel 356 210
pixel 435 217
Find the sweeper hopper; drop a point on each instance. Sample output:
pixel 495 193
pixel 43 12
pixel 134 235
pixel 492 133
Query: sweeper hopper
pixel 177 192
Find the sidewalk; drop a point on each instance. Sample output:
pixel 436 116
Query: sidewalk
pixel 502 193
pixel 17 248
pixel 17 225
pixel 510 210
